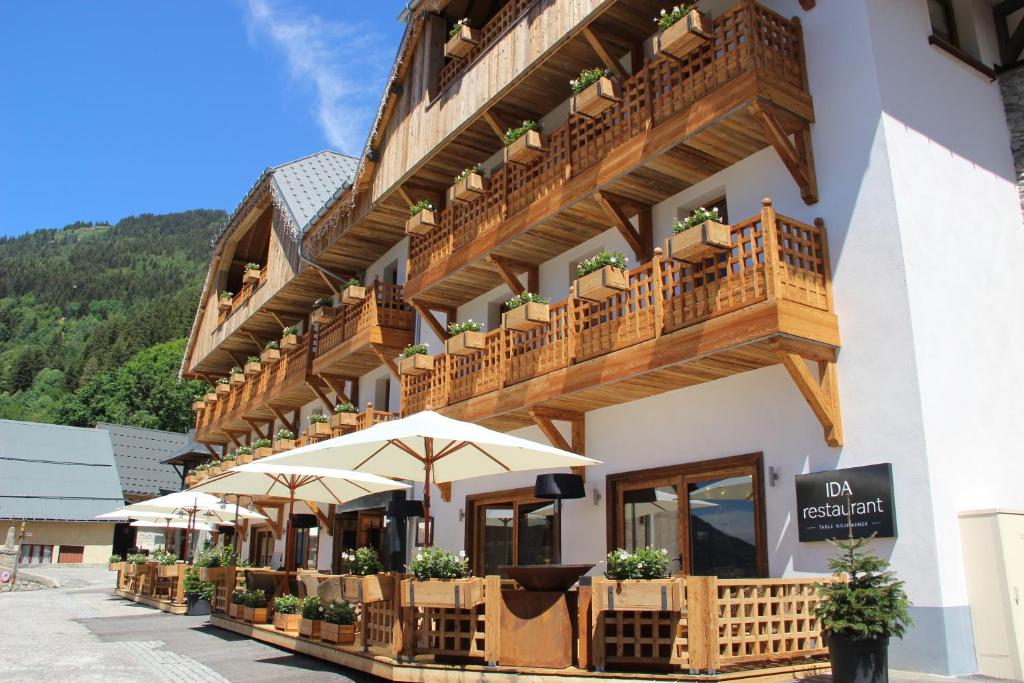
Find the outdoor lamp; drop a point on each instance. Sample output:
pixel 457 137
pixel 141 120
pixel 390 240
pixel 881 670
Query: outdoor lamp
pixel 405 508
pixel 559 486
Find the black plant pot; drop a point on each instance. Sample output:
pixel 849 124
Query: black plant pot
pixel 858 661
pixel 197 606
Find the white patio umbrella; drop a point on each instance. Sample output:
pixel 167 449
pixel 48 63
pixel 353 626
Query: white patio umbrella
pixel 175 524
pixel 428 447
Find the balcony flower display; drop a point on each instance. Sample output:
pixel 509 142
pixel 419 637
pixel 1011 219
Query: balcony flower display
pixel 262 448
pixel 364 582
pixel 312 611
pixel 601 276
pixel 415 360
pixel 699 236
pixel 469 184
pixel 339 627
pixel 251 274
pixel 289 338
pixel 422 218
pixel 201 472
pixel 442 579
pixel 319 425
pixel 223 386
pixel 237 376
pixel 344 414
pixel 236 608
pixel 244 455
pixel 211 394
pixel 594 91
pixel 199 402
pixel 323 310
pixel 287 612
pixel 523 144
pixel 353 293
pixel 284 440
pixel 252 365
pixel 682 29
pixel 466 338
pixel 228 461
pixel 214 468
pixel 256 606
pixel 271 353
pixel 225 301
pixel 641 581
pixel 462 38
pixel 526 311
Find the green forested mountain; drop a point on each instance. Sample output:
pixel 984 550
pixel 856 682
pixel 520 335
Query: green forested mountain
pixel 85 312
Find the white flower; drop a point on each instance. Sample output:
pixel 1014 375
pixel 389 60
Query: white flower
pixel 664 551
pixel 462 553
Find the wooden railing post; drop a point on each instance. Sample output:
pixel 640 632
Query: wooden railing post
pixel 772 269
pixel 657 293
pixel 585 646
pixel 754 37
pixel 826 262
pixel 492 619
pixel 702 623
pixel 400 619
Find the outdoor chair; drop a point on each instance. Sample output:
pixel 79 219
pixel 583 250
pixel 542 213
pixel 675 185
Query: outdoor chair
pixel 308 584
pixel 329 590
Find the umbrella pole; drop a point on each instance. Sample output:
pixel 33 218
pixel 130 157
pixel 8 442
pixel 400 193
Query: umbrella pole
pixel 427 466
pixel 289 549
pixel 188 538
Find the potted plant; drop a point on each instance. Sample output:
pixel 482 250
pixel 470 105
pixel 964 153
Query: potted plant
pixel 271 353
pixel 208 564
pixel 353 293
pixel 594 92
pixel 466 338
pixel 252 365
pixel 699 236
pixel 236 608
pixel 289 338
pixel 312 617
pixel 199 594
pixel 415 360
pixel 256 606
pixel 323 310
pixel 462 38
pixel 363 583
pixel 526 311
pixel 211 394
pixel 223 386
pixel 339 627
pixel 421 218
pixel 167 564
pixel 214 468
pixel 860 610
pixel 441 579
pixel 523 144
pixel 469 184
pixel 287 613
pixel 199 403
pixel 601 276
pixel 243 456
pixel 251 274
pixel 224 301
pixel 228 462
pixel 115 563
pixel 345 415
pixel 201 472
pixel 284 440
pixel 319 425
pixel 638 581
pixel 237 376
pixel 262 448
pixel 681 30
pixel 133 563
pixel 191 479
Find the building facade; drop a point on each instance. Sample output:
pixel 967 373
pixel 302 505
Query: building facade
pixel 842 325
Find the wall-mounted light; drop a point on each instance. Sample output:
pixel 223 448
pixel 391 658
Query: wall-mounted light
pixel 597 497
pixel 462 514
pixel 773 476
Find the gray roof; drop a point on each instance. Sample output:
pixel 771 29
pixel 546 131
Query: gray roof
pixel 308 185
pixel 52 472
pixel 138 454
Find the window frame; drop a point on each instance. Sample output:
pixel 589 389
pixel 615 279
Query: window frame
pixel 476 503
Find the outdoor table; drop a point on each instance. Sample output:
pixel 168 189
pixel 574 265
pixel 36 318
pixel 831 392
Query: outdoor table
pixel 279 576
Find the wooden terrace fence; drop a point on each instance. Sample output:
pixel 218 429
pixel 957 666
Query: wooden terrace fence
pixel 383 306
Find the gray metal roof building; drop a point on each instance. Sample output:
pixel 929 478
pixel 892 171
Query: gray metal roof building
pixel 53 472
pixel 138 454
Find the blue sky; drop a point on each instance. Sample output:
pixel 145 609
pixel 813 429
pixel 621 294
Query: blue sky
pixel 114 108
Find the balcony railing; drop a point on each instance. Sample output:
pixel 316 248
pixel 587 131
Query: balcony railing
pixel 383 306
pixel 242 296
pixel 663 296
pixel 506 17
pixel 745 39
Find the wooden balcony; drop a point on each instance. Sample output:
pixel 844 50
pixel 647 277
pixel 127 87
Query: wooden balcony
pixel 768 300
pixel 489 35
pixel 242 297
pixel 678 122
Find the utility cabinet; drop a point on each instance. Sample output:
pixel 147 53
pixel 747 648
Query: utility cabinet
pixel 993 548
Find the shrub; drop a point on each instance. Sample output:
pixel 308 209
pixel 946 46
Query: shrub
pixel 697 217
pixel 226 295
pixel 615 259
pixel 272 346
pixel 252 359
pixel 286 604
pixel 645 563
pixel 413 349
pixel 587 78
pixel 317 418
pixel 262 443
pixel 435 563
pixel 237 370
pixel 164 558
pixel 228 556
pixel 323 301
pixel 353 282
pixel 255 598
pixel 244 450
pixel 291 329
pixel 284 435
pixel 204 590
pixel 312 608
pixel 466 172
pixel 468 326
pixel 525 298
pixel 238 598
pixel 137 558
pixel 342 613
pixel 224 380
pixel 422 205
pixel 513 134
pixel 230 457
pixel 345 408
pixel 252 266
pixel 669 17
pixel 114 559
pixel 362 562
pixel 207 557
pixel 457 27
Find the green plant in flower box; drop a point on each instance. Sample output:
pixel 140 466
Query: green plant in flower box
pixel 244 450
pixel 252 359
pixel 252 266
pixel 226 295
pixel 323 301
pixel 341 613
pixel 237 370
pixel 615 259
pixel 287 604
pixel 137 558
pixel 312 608
pixel 255 598
pixel 671 17
pixel 422 205
pixel 195 587
pixel 413 349
pixel 272 346
pixel 587 78
pixel 644 563
pixel 467 326
pixel 345 407
pixel 262 443
pixel 362 562
pixel 353 282
pixel 284 435
pixel 525 298
pixel 291 329
pixel 513 134
pixel 696 217
pixel 437 563
pixel 458 27
pixel 468 171
pixel 238 598
pixel 114 559
pixel 317 418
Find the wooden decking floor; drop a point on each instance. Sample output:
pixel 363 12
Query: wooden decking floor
pixel 165 605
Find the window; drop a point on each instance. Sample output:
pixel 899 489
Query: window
pixel 390 274
pixel 940 12
pixel 511 528
pixel 382 394
pixel 307 543
pixel 708 515
pixel 720 204
pixel 261 549
pixel 36 554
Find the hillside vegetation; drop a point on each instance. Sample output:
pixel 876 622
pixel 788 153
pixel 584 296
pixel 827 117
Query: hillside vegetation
pixel 93 320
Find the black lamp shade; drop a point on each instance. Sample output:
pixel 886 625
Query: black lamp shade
pixel 304 522
pixel 405 508
pixel 559 486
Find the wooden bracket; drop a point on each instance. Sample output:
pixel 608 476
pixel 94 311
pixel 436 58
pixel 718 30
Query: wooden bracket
pixel 324 520
pixel 798 158
pixel 274 526
pixel 404 194
pixel 330 284
pixel 603 53
pixel 640 239
pixel 257 342
pixel 509 270
pixel 255 427
pixel 386 360
pixel 338 389
pixel 491 120
pixel 290 424
pixel 428 316
pixel 822 395
pixel 321 395
pixel 238 361
pixel 232 435
pixel 212 451
pixel 446 491
pixel 543 418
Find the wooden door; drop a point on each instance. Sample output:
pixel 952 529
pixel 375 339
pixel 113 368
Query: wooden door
pixel 71 554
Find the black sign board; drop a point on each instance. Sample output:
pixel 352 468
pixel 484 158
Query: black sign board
pixel 830 504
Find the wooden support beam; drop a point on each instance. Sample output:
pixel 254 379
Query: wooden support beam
pixel 387 360
pixel 321 395
pixel 821 395
pixel 274 526
pixel 543 417
pixel 324 520
pixel 330 284
pixel 428 316
pixel 239 361
pixel 797 158
pixel 404 194
pixel 257 342
pixel 212 451
pixel 446 493
pixel 232 435
pixel 290 424
pixel 508 276
pixel 641 239
pixel 278 319
pixel 255 427
pixel 551 432
pixel 603 52
pixel 491 121
pixel 337 387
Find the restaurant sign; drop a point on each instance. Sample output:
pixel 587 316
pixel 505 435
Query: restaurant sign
pixel 832 504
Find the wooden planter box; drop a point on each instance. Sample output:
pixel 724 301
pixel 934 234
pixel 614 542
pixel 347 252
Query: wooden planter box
pixel 602 284
pixel 237 379
pixel 214 471
pixel 338 634
pixel 201 475
pixel 281 445
pixel 256 615
pixel 469 188
pixel 250 277
pixel 226 465
pixel 131 569
pixel 447 593
pixel 190 480
pixel 363 589
pixel 526 317
pixel 286 622
pixel 339 420
pixel 115 566
pixel 253 367
pixel 700 242
pixel 593 101
pixel 353 295
pixel 270 356
pixel 318 429
pixel 210 397
pixel 289 342
pixel 223 389
pixel 236 611
pixel 168 571
pixel 416 364
pixel 682 37
pixel 224 305
pixel 310 628
pixel 633 595
pixel 198 406
pixel 525 149
pixel 462 43
pixel 212 573
pixel 323 314
pixel 243 458
pixel 422 223
pixel 264 452
pixel 465 344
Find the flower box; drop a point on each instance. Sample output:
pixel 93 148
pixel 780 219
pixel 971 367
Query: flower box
pixel 447 593
pixel 270 356
pixel 250 277
pixel 602 284
pixel 700 242
pixel 462 43
pixel 525 148
pixel 289 342
pixel 198 406
pixel 243 458
pixel 687 34
pixel 226 465
pixel 281 445
pixel 596 98
pixel 190 480
pixel 115 566
pixel 256 615
pixel 338 634
pixel 224 305
pixel 318 429
pixel 371 588
pixel 416 364
pixel 212 573
pixel 236 611
pixel 339 420
pixel 422 223
pixel 264 452
pixel 465 343
pixel 200 475
pixel 469 188
pixel 286 622
pixel 526 317
pixel 168 571
pixel 131 569
pixel 633 595
pixel 223 389
pixel 310 628
pixel 323 314
pixel 353 294
pixel 210 397
pixel 253 367
pixel 237 379
pixel 214 471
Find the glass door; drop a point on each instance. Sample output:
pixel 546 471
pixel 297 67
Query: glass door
pixel 651 517
pixel 512 528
